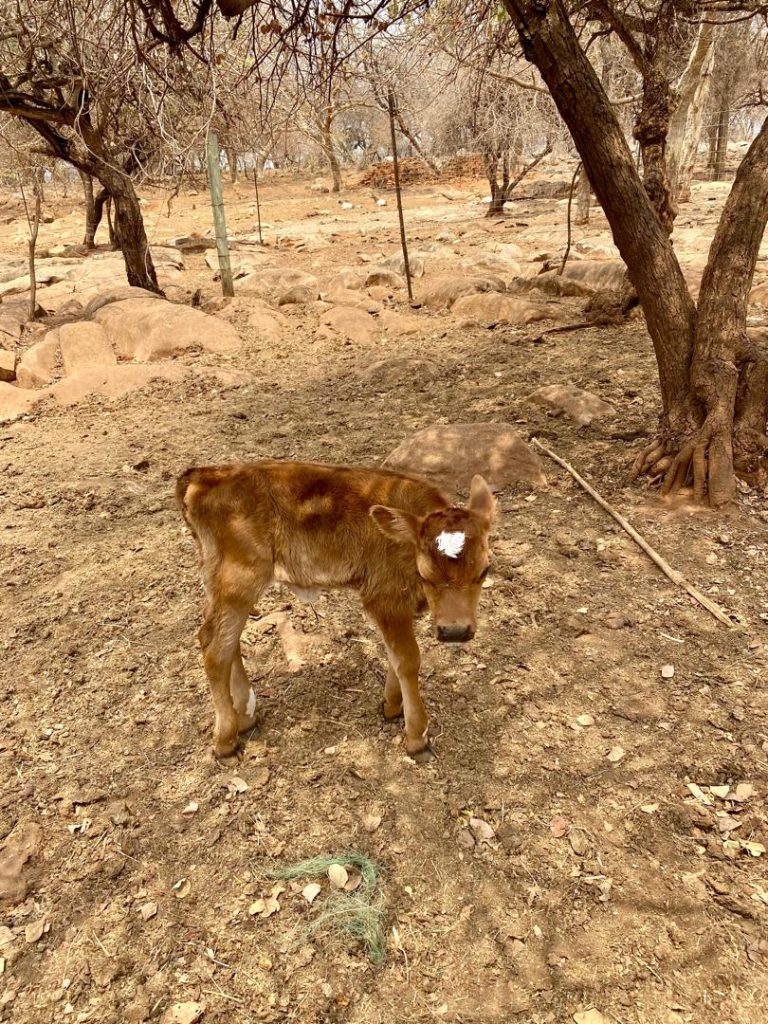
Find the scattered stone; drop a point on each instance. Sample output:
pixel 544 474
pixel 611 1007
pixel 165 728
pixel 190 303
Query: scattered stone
pixel 566 399
pixel 15 401
pixel 397 263
pixel 450 455
pixel 583 278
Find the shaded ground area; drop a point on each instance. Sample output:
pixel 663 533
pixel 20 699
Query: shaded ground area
pixel 563 852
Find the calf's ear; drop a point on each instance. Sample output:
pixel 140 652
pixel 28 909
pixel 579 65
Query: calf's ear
pixel 481 500
pixel 395 523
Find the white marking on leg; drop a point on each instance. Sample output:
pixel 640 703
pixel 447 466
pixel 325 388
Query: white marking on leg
pixel 450 544
pixel 250 707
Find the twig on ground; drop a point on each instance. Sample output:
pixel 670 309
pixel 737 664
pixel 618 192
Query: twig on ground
pixel 666 568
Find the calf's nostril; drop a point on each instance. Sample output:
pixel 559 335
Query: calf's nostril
pixel 455 634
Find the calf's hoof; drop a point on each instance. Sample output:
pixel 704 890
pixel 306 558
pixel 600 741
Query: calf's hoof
pixel 391 712
pixel 223 748
pixel 424 756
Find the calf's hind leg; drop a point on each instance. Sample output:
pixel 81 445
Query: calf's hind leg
pixel 231 599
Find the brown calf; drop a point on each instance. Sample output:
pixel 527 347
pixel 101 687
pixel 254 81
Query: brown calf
pixel 395 539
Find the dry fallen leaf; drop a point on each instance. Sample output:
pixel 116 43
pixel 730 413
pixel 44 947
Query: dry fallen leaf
pixel 148 910
pixel 725 823
pixel 182 888
pixel 482 830
pixel 558 826
pixel 237 785
pixel 579 841
pixel 311 892
pixel 338 876
pixel 720 791
pixel 354 880
pixel 753 849
pixel 699 793
pixel 34 931
pixel 371 822
pixel 615 754
pixel 742 792
pixel 649 808
pixel 183 1013
pixel 667 671
pixel 585 720
pixel 591 1016
pixel 191 808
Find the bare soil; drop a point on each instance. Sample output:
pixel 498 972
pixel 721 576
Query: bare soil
pixel 602 881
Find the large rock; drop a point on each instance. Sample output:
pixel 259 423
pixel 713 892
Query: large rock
pixel 575 403
pixel 298 295
pixel 400 369
pixel 450 455
pixel 110 381
pixel 267 322
pixel 491 263
pixel 84 345
pixel 397 263
pixel 14 402
pixel 386 278
pixel 118 294
pixel 20 284
pixel 271 281
pixel 146 330
pixel 7 365
pixel 445 290
pixel 496 308
pixel 354 324
pixel 37 366
pixel 759 295
pixel 583 278
pixel 346 278
pixel 10 330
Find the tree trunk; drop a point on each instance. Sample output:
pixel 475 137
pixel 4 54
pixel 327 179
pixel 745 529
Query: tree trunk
pixel 583 196
pixel 685 126
pixel 723 134
pixel 132 238
pixel 232 162
pixel 330 151
pixel 90 210
pixel 714 379
pixel 549 41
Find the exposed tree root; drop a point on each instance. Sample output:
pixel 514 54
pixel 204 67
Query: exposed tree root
pixel 705 460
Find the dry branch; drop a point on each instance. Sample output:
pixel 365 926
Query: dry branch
pixel 666 568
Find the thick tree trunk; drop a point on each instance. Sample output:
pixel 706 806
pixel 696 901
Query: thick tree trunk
pixel 723 134
pixel 90 210
pixel 583 197
pixel 685 126
pixel 329 150
pixel 721 335
pixel 132 238
pixel 232 163
pixel 549 41
pixel 499 193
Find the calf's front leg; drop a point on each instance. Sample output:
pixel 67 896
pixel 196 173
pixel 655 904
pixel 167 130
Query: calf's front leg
pixel 405 661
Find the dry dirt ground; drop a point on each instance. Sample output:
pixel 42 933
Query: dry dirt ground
pixel 562 858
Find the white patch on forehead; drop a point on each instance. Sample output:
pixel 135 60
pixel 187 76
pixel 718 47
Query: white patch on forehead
pixel 450 544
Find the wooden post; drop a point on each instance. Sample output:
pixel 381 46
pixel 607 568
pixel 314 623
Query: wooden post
pixel 219 222
pixel 391 99
pixel 258 205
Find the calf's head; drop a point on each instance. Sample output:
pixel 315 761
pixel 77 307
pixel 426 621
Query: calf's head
pixel 451 551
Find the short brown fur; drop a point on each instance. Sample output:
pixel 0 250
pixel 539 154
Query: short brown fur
pixel 315 526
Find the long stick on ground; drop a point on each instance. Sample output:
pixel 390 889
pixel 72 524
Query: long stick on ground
pixel 666 568
pixel 396 169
